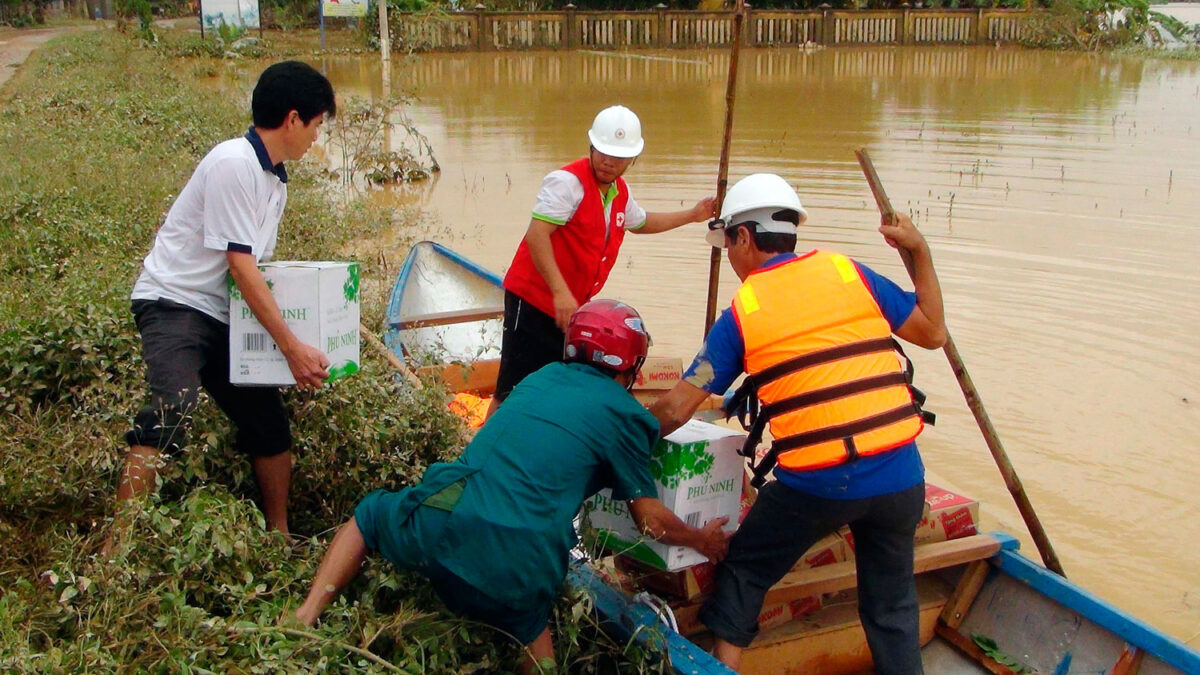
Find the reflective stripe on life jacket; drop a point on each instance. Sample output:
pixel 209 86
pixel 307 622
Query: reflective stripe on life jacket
pixel 820 356
pixel 585 247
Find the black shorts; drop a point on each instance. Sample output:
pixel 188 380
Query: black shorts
pixel 531 340
pixel 186 349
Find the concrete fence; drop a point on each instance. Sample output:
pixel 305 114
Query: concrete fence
pixel 674 29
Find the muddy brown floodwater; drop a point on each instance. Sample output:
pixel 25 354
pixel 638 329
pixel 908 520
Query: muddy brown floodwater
pixel 1059 193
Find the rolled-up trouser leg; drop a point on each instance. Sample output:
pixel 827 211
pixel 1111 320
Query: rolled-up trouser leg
pixel 174 344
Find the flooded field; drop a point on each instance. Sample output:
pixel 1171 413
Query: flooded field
pixel 1059 193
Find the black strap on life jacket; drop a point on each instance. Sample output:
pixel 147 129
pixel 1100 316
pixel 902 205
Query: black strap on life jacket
pixel 745 404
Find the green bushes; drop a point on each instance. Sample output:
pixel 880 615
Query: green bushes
pixel 1096 25
pixel 98 135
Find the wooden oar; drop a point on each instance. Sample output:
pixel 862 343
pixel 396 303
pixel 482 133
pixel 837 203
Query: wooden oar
pixel 390 356
pixel 974 402
pixel 714 259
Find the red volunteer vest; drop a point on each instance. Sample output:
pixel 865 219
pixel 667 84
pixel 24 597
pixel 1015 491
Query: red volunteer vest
pixel 585 247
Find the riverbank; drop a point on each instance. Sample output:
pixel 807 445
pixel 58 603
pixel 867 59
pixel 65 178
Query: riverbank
pixel 97 134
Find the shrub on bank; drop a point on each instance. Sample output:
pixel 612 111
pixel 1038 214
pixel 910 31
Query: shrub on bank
pixel 98 134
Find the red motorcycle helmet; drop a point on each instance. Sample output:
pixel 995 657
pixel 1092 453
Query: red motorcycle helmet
pixel 608 334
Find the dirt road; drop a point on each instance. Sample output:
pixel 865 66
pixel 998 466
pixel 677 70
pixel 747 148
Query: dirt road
pixel 16 45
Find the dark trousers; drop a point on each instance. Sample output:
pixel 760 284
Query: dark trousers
pixel 185 349
pixel 784 523
pixel 530 341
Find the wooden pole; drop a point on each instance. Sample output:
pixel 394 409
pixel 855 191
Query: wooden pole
pixel 385 40
pixel 974 402
pixel 391 357
pixel 714 259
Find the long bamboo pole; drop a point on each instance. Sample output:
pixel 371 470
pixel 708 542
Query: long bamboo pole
pixel 974 402
pixel 391 358
pixel 714 259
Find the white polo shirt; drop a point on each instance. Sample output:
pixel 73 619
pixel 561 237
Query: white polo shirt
pixel 233 202
pixel 562 192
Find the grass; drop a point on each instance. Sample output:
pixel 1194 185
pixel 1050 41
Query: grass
pixel 98 133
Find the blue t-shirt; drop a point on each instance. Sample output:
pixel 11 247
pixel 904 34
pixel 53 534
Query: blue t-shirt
pixel 722 359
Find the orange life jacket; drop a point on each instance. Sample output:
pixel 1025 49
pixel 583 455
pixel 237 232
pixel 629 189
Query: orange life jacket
pixel 820 356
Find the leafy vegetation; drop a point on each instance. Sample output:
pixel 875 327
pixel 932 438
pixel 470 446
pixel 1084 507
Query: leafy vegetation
pixel 97 135
pixel 1094 25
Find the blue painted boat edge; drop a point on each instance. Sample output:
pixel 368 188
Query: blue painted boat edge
pixel 469 264
pixel 397 297
pixel 390 334
pixel 1134 631
pixel 625 620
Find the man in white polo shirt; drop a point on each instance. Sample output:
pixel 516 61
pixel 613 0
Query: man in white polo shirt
pixel 222 224
pixel 582 213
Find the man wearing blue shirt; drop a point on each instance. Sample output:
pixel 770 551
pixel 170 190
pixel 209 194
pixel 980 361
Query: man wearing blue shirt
pixel 814 334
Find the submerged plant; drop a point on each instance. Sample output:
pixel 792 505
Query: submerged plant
pixel 376 142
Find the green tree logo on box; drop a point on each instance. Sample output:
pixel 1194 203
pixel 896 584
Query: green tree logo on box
pixel 671 464
pixel 350 288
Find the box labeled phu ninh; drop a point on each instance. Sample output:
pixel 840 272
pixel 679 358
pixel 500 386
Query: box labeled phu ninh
pixel 320 304
pixel 699 475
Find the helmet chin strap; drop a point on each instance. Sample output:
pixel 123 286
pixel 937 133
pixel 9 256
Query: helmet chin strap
pixel 633 372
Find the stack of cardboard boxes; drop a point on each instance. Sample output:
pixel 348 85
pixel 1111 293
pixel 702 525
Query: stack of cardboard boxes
pixel 947 516
pixel 701 476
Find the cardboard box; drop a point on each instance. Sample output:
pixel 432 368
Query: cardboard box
pixel 699 477
pixel 685 584
pixel 771 616
pixel 828 550
pixel 659 373
pixel 947 516
pixel 320 303
pixel 688 583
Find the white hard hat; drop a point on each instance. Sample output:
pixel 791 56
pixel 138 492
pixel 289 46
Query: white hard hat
pixel 764 199
pixel 617 132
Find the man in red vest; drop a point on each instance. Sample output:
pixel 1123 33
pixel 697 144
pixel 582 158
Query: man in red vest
pixel 578 223
pixel 814 333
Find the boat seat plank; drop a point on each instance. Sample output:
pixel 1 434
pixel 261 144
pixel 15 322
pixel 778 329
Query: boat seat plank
pixel 451 317
pixel 841 576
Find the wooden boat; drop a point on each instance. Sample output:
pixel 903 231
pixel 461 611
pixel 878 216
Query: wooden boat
pixel 446 312
pixel 985 608
pixel 445 317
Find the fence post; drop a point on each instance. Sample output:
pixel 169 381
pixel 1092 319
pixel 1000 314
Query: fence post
pixel 660 29
pixel 483 29
pixel 981 33
pixel 569 26
pixel 906 24
pixel 828 31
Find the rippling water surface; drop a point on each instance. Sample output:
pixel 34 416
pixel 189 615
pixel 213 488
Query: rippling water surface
pixel 1059 193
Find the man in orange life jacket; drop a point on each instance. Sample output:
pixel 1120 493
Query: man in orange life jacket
pixel 814 333
pixel 578 223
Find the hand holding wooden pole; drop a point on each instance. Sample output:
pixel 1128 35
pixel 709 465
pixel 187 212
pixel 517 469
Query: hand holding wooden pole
pixel 974 402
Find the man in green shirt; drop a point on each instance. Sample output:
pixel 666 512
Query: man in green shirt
pixel 493 530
